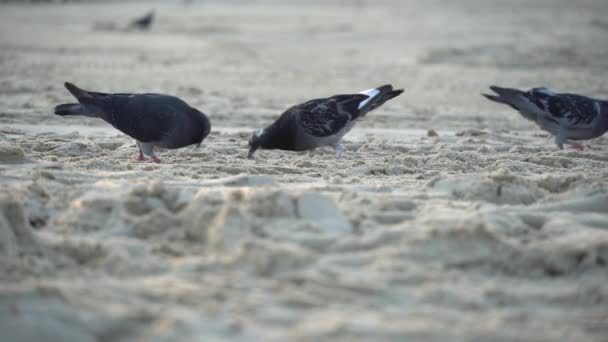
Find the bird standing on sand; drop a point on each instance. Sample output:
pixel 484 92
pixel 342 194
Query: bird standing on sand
pixel 150 119
pixel 565 116
pixel 319 122
pixel 144 22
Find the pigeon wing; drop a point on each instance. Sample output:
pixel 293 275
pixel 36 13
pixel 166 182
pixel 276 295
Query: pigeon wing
pixel 574 110
pixel 568 110
pixel 326 117
pixel 144 117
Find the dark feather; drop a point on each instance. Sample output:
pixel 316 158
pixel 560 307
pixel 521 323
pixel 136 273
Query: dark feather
pixel 144 22
pixel 325 117
pixel 566 116
pixel 72 109
pixel 574 110
pixel 319 122
pixel 161 119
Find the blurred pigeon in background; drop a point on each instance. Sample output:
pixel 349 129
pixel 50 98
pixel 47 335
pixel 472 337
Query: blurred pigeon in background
pixel 144 22
pixel 319 122
pixel 150 119
pixel 565 116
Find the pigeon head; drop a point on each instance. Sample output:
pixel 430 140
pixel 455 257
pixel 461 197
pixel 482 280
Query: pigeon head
pixel 255 142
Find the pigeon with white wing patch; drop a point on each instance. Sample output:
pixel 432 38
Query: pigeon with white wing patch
pixel 565 116
pixel 319 122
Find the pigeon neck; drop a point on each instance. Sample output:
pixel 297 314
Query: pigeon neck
pixel 275 138
pixel 267 140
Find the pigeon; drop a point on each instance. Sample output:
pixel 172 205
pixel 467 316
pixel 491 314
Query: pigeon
pixel 565 116
pixel 150 119
pixel 144 22
pixel 319 122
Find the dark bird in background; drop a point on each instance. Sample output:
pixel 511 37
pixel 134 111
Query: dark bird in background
pixel 319 122
pixel 565 116
pixel 150 119
pixel 144 22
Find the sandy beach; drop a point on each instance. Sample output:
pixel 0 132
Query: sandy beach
pixel 448 218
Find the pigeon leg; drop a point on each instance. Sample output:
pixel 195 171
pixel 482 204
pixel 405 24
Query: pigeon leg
pixel 140 157
pixel 559 141
pixel 339 149
pixel 148 150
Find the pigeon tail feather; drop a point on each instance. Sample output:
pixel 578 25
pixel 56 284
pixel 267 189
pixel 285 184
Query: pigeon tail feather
pixel 92 101
pixel 73 109
pixel 391 94
pixel 378 96
pixel 77 92
pixel 493 98
pixel 506 93
pixel 513 98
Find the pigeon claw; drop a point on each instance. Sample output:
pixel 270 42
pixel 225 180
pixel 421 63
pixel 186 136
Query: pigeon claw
pixel 140 157
pixel 155 159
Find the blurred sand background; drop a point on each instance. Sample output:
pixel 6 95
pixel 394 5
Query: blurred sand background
pixel 483 231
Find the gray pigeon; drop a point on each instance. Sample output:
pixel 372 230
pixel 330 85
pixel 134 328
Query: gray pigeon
pixel 565 116
pixel 144 22
pixel 150 119
pixel 319 122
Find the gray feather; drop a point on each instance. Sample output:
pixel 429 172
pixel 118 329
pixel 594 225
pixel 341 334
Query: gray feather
pixel 161 120
pixel 320 122
pixel 566 116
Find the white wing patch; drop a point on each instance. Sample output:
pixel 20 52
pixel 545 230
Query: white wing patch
pixel 545 91
pixel 371 93
pixel 258 132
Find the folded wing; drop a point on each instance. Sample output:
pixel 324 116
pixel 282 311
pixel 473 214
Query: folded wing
pixel 326 117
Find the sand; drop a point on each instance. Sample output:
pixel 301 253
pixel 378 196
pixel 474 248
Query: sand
pixel 448 217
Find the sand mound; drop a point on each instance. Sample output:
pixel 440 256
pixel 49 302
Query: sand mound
pixel 477 244
pixel 67 148
pixel 21 252
pixel 227 225
pixel 310 219
pixel 10 153
pixel 48 318
pixel 496 188
pixel 14 230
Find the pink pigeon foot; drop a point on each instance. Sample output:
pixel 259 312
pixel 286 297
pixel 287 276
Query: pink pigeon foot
pixel 577 146
pixel 140 157
pixel 155 159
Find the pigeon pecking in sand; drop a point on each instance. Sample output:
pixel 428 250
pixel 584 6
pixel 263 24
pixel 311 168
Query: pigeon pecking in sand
pixel 150 119
pixel 565 116
pixel 319 122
